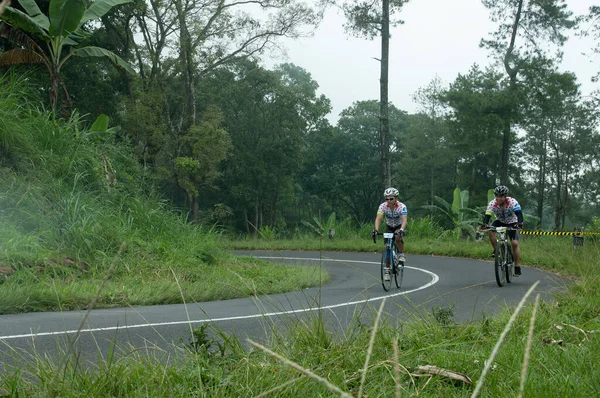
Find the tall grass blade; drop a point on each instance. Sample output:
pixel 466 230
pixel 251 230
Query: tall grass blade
pixel 396 368
pixel 302 370
pixel 370 350
pixel 279 387
pixel 187 313
pixel 528 346
pixel 91 306
pixel 501 339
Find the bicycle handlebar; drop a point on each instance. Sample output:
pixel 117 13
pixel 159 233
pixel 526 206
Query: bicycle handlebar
pixel 381 233
pixel 492 228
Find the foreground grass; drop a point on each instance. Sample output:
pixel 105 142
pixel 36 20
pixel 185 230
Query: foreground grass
pixel 563 352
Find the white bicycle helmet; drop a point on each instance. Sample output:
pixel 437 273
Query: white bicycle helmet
pixel 391 192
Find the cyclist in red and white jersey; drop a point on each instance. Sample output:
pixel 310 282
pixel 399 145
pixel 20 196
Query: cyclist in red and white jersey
pixel 395 218
pixel 508 214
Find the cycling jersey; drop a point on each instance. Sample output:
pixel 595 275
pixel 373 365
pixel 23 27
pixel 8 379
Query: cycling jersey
pixel 508 214
pixel 393 215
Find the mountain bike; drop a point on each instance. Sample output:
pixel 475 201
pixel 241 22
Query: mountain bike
pixel 504 262
pixel 390 261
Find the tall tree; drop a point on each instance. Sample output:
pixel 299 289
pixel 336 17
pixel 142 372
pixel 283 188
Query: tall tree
pixel 210 34
pixel 342 164
pixel 183 41
pixel 478 102
pixel 559 136
pixel 58 31
pixel 590 27
pixel 371 18
pixel 429 155
pixel 268 115
pixel 525 27
pixel 202 150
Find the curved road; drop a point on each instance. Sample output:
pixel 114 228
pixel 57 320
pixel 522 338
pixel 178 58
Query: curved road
pixel 465 286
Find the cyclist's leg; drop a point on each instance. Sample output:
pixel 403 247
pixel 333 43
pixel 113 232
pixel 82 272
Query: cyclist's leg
pixel 514 240
pixel 388 257
pixel 492 235
pixel 399 240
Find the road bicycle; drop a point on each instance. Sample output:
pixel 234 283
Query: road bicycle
pixel 504 262
pixel 390 261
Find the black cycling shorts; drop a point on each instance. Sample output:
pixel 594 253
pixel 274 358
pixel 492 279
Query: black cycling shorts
pixel 394 229
pixel 513 235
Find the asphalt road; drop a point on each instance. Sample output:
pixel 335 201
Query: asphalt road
pixel 465 287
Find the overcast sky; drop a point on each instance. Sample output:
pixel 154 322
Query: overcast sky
pixel 439 37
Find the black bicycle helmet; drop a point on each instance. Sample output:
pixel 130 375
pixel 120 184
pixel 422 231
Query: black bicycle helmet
pixel 501 190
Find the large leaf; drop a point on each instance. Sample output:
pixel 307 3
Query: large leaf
pixel 491 195
pixel 69 41
pixel 20 56
pixel 101 124
pixel 65 16
pixel 92 51
pixel 24 22
pixel 79 35
pixel 456 202
pixel 101 7
pixel 31 7
pixel 18 37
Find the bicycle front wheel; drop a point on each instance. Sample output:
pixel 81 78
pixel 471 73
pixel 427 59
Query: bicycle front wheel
pixel 386 258
pixel 510 263
pixel 399 274
pixel 500 264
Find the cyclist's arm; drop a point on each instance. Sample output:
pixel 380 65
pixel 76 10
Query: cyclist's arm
pixel 487 217
pixel 519 214
pixel 378 220
pixel 403 222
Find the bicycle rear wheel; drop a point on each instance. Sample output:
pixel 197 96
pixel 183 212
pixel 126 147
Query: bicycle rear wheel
pixel 500 264
pixel 386 257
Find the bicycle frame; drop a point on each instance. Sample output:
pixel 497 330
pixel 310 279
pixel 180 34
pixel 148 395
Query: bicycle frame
pixel 388 259
pixel 503 256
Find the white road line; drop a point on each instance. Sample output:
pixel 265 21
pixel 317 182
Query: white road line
pixel 434 280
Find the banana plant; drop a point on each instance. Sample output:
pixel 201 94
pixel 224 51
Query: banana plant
pixel 52 39
pixel 462 218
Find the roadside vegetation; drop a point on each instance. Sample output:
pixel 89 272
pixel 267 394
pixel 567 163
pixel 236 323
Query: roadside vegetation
pixel 71 196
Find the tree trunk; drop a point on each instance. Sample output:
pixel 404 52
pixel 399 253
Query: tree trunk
pixel 542 183
pixel 187 61
pixel 194 208
pixel 256 218
pixel 505 151
pixel 247 222
pixel 512 72
pixel 55 80
pixel 559 204
pixel 384 134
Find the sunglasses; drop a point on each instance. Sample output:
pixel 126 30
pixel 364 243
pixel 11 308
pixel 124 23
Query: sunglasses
pixel 390 198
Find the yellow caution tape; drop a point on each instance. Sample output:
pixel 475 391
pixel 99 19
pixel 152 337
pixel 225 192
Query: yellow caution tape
pixel 558 233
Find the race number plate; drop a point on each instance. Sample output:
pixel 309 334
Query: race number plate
pixel 388 235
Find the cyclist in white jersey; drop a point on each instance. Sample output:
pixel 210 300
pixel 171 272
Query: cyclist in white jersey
pixel 395 218
pixel 508 214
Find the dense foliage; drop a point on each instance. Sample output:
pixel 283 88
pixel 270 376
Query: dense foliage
pixel 233 144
